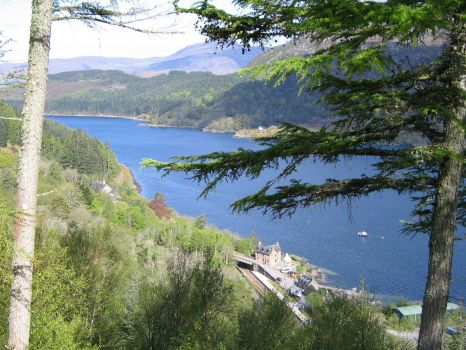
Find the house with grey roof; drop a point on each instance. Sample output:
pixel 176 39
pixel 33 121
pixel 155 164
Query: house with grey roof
pixel 270 255
pixel 103 187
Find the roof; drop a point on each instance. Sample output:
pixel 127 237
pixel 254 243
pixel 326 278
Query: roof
pixel 98 186
pixel 417 309
pixel 268 249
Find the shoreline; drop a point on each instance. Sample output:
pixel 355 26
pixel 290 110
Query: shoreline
pixel 242 133
pixel 327 278
pixel 150 125
pixel 250 133
pixel 147 124
pixel 135 183
pixel 94 116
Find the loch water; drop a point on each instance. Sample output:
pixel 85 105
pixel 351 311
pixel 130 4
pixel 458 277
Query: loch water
pixel 392 267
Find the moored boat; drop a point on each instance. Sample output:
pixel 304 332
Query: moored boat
pixel 362 233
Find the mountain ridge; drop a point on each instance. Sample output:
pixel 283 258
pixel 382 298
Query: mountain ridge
pixel 205 57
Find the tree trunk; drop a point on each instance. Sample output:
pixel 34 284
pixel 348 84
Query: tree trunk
pixel 33 115
pixel 443 227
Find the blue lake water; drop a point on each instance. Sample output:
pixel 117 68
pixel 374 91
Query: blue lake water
pixel 326 235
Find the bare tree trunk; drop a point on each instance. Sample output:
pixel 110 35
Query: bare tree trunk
pixel 443 228
pixel 33 115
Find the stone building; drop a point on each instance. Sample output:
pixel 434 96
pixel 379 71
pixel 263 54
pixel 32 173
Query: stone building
pixel 270 255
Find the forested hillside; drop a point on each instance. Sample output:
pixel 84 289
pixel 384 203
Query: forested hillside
pixel 197 99
pixel 102 265
pixel 70 148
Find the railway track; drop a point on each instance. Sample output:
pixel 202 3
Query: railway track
pixel 258 285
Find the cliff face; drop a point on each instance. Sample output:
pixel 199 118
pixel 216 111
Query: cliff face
pixel 126 176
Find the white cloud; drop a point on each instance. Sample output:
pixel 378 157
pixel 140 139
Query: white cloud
pixel 71 39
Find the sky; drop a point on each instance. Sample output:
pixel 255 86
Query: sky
pixel 73 39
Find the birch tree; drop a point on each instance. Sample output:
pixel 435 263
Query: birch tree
pixel 43 13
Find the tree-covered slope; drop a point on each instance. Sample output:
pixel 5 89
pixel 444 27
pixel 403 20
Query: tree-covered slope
pixel 70 148
pixel 98 257
pixel 200 100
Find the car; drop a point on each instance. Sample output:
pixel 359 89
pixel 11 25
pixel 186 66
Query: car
pixel 452 331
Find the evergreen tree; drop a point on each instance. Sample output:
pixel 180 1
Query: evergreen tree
pixel 366 60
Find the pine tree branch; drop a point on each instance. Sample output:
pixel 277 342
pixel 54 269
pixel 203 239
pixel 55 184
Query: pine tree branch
pixel 92 13
pixel 286 199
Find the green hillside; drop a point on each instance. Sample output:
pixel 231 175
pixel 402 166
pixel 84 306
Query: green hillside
pixel 101 263
pixel 197 99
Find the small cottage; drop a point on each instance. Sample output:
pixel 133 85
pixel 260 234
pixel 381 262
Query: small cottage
pixel 103 187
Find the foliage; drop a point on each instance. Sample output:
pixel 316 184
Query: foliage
pixel 6 216
pixel 189 308
pixel 159 206
pixel 9 127
pixel 403 324
pixel 340 323
pixel 201 221
pixel 58 299
pixel 315 300
pixel 93 253
pixel 103 281
pixel 457 320
pixel 247 246
pixel 72 148
pixel 270 325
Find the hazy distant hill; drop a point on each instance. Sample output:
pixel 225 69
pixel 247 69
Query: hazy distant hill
pixel 206 58
pixel 302 47
pixel 298 47
pixel 199 57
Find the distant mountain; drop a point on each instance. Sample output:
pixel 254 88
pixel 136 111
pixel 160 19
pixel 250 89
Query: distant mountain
pixel 206 58
pixel 427 51
pixel 199 57
pixel 298 47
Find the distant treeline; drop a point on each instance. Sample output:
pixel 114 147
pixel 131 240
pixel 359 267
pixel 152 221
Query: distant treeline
pixel 197 99
pixel 72 148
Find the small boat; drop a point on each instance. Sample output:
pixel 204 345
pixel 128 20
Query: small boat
pixel 362 233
